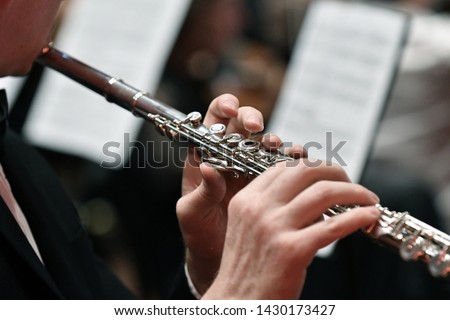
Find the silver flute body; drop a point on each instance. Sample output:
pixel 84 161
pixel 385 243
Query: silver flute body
pixel 414 239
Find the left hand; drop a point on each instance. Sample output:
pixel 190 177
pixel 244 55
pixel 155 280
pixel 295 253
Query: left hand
pixel 202 210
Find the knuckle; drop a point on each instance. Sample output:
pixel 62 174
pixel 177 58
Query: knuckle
pixel 339 171
pixel 291 251
pixel 333 167
pixel 285 244
pixel 245 209
pixel 306 171
pixel 324 191
pixel 283 247
pixel 333 227
pixel 248 109
pixel 359 191
pixel 228 98
pixel 297 151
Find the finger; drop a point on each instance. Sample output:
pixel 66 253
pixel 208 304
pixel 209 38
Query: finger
pixel 310 205
pixel 221 109
pixel 209 193
pixel 249 120
pixel 273 143
pixel 293 177
pixel 295 151
pixel 284 181
pixel 193 158
pixel 270 141
pixel 299 171
pixel 323 233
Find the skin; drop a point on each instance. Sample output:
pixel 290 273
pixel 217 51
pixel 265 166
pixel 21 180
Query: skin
pixel 24 29
pixel 244 240
pixel 255 240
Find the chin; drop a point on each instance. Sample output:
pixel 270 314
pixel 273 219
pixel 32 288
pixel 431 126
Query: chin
pixel 17 70
pixel 21 72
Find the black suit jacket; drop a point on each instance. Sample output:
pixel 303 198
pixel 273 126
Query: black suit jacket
pixel 71 269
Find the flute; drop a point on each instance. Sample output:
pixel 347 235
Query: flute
pixel 414 239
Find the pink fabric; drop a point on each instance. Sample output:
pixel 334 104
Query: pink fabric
pixel 8 197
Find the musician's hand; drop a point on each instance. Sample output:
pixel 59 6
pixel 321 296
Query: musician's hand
pixel 274 229
pixel 202 211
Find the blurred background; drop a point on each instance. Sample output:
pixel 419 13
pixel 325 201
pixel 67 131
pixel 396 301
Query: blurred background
pixel 243 47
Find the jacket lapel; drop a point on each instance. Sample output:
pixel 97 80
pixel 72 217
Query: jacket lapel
pixel 14 235
pixel 24 186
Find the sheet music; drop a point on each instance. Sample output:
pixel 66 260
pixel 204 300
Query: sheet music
pixel 125 39
pixel 338 81
pixel 12 86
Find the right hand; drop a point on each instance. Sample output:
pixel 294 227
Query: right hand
pixel 275 228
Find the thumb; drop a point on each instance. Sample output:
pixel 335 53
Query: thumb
pixel 209 193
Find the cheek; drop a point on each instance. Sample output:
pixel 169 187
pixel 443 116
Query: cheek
pixel 23 41
pixel 37 32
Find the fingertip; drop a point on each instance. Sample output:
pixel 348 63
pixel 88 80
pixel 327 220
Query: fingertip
pixel 270 141
pixel 374 211
pixel 373 215
pixel 210 174
pixel 296 151
pixel 367 215
pixel 206 170
pixel 213 186
pixel 205 195
pixel 274 138
pixel 253 124
pixel 229 105
pixel 221 109
pixel 252 119
pixel 374 197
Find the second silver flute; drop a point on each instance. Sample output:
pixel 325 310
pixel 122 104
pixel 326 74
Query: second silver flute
pixel 414 239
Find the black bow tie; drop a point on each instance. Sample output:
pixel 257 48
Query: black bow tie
pixel 3 112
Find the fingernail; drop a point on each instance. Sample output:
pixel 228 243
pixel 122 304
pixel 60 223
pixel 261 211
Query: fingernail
pixel 374 211
pixel 256 120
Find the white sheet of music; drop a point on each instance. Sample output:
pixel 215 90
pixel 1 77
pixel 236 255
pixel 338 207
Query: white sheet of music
pixel 12 86
pixel 338 80
pixel 130 40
